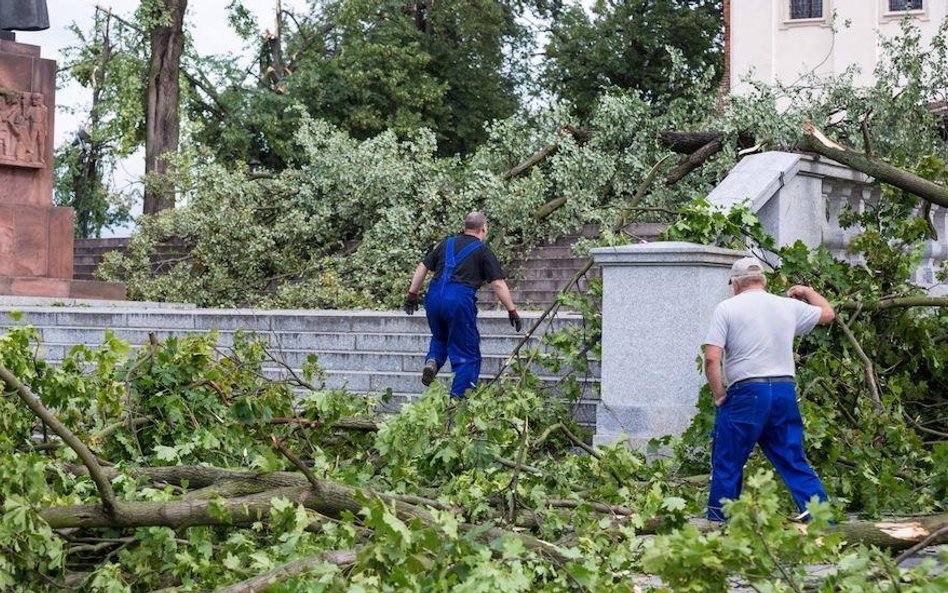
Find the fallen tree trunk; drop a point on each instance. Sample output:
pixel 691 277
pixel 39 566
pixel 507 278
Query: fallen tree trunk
pixel 897 534
pixel 816 141
pixel 332 500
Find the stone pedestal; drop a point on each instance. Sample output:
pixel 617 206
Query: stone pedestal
pixel 36 238
pixel 656 305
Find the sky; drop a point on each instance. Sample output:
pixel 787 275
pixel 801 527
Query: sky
pixel 210 33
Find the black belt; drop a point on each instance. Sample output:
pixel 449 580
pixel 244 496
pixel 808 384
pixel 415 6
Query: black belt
pixel 780 379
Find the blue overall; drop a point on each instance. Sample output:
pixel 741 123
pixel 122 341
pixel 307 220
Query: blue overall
pixel 452 317
pixel 764 414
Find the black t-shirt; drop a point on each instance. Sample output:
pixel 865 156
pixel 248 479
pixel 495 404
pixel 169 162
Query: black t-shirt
pixel 477 268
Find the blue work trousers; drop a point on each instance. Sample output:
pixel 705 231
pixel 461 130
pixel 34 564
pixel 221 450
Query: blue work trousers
pixel 764 414
pixel 452 316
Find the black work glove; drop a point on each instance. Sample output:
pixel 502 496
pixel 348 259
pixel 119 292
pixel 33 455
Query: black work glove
pixel 411 303
pixel 515 320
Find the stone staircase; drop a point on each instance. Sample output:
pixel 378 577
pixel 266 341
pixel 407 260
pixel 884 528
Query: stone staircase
pixel 366 352
pixel 536 282
pixel 88 254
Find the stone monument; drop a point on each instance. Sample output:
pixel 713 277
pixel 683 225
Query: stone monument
pixel 36 238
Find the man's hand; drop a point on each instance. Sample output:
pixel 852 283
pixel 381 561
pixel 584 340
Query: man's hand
pixel 800 292
pixel 515 320
pixel 808 295
pixel 411 303
pixel 719 398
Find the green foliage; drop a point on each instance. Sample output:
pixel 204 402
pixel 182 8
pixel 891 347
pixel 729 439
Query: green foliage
pixel 349 226
pixel 756 544
pixel 205 405
pixel 633 46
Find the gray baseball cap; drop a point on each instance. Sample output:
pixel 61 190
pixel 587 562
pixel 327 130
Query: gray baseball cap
pixel 747 266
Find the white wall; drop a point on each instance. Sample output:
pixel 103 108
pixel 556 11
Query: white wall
pixel 771 48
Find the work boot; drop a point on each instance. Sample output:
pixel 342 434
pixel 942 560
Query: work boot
pixel 429 372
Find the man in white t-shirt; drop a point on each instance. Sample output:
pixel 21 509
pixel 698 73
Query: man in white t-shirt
pixel 754 331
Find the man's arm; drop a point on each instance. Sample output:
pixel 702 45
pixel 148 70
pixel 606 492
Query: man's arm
pixel 417 279
pixel 712 370
pixel 411 299
pixel 503 294
pixel 806 293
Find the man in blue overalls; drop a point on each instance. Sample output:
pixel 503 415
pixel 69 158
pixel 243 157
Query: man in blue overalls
pixel 460 264
pixel 754 331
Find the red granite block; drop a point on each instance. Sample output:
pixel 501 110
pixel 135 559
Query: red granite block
pixel 30 240
pixel 7 236
pixel 60 243
pixel 45 287
pixel 15 47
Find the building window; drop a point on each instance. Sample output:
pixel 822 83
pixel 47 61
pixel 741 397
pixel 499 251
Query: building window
pixel 806 9
pixel 905 5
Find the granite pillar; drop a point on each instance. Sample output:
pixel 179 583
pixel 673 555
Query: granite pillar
pixel 656 305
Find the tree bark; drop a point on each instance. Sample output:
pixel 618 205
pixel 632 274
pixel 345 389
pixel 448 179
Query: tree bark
pixel 162 125
pixel 816 141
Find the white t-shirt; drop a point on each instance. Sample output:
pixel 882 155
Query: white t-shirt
pixel 756 330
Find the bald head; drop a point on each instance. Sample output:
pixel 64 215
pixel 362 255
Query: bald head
pixel 475 222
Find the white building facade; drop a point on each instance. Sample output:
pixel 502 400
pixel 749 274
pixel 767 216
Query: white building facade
pixel 781 40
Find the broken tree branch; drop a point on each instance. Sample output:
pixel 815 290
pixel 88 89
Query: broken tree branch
pixel 548 150
pixel 693 161
pixel 296 461
pixel 868 367
pixel 900 302
pixel 354 424
pixel 289 570
pixel 816 141
pixel 102 484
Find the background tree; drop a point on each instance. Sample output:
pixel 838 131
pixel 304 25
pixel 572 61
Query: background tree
pixel 368 66
pixel 625 45
pixel 106 54
pixel 165 22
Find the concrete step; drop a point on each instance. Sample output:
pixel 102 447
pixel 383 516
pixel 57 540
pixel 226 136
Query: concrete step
pixel 573 263
pixel 543 273
pixel 293 321
pixel 535 300
pixel 363 351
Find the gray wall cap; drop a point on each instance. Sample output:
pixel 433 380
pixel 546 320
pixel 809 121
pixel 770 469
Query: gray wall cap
pixel 756 178
pixel 667 253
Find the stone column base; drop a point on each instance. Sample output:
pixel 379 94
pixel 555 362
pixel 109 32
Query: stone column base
pixel 59 287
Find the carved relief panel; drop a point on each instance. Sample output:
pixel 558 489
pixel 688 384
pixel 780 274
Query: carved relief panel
pixel 24 120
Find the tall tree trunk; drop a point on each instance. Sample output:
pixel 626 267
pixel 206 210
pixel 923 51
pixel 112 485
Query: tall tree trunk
pixel 162 122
